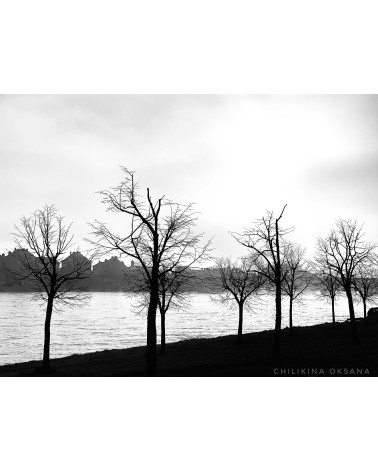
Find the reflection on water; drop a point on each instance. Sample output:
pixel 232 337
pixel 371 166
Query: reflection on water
pixel 108 321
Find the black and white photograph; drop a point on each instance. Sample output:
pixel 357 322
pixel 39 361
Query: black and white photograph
pixel 188 236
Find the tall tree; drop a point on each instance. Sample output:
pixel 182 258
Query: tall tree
pixel 239 281
pixel 344 251
pixel 296 279
pixel 265 239
pixel 365 283
pixel 160 237
pixel 42 240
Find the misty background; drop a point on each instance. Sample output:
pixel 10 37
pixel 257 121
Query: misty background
pixel 233 155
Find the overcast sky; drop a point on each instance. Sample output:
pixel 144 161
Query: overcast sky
pixel 234 156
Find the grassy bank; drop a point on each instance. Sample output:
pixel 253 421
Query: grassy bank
pixel 315 350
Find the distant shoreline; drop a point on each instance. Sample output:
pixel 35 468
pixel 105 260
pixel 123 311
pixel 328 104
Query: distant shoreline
pixel 317 350
pixel 101 291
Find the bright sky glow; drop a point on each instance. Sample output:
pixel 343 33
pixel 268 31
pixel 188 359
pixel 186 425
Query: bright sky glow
pixel 233 155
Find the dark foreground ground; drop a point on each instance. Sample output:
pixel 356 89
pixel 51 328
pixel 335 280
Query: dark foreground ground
pixel 311 351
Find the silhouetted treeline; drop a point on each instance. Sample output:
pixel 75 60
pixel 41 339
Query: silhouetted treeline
pixel 168 258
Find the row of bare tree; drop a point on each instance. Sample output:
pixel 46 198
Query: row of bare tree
pixel 160 235
pixel 344 263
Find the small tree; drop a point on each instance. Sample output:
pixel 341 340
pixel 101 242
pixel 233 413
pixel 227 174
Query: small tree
pixel 239 281
pixel 160 237
pixel 296 279
pixel 173 293
pixel 343 251
pixel 330 288
pixel 365 283
pixel 265 239
pixel 47 239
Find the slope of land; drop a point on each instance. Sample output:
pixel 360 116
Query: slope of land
pixel 312 351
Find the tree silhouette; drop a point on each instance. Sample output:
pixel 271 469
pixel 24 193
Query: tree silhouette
pixel 365 283
pixel 239 281
pixel 42 239
pixel 296 279
pixel 330 287
pixel 265 239
pixel 173 293
pixel 343 251
pixel 160 238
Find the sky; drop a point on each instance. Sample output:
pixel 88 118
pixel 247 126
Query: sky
pixel 235 156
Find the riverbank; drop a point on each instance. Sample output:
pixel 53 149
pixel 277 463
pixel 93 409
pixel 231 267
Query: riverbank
pixel 318 350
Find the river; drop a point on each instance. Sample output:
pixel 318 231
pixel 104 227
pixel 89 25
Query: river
pixel 109 321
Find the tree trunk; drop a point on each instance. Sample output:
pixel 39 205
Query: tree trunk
pixel 277 327
pixel 353 326
pixel 240 328
pixel 151 336
pixel 333 312
pixel 162 344
pixel 365 318
pixel 46 348
pixel 291 316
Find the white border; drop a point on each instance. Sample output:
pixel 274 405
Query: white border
pixel 190 47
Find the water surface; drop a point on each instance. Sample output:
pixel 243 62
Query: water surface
pixel 108 321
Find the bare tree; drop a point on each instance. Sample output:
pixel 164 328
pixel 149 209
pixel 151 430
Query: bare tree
pixel 330 287
pixel 296 279
pixel 365 283
pixel 239 281
pixel 173 293
pixel 42 240
pixel 160 237
pixel 265 239
pixel 343 251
